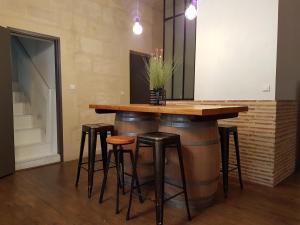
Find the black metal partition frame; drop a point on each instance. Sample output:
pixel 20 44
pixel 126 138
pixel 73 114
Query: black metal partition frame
pixel 179 42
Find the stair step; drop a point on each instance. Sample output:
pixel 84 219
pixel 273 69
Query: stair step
pixel 27 152
pixel 20 108
pixel 39 161
pixel 28 136
pixel 23 122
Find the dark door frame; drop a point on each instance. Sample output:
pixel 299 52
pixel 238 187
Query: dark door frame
pixel 7 154
pixel 56 40
pixel 132 52
pixel 140 53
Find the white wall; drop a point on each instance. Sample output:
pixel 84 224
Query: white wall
pixel 43 56
pixel 236 49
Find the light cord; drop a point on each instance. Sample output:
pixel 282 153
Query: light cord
pixel 137 8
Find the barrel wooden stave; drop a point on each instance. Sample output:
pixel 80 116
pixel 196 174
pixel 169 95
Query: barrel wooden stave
pixel 132 124
pixel 201 156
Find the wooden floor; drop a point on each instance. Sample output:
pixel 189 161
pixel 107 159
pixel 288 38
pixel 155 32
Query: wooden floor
pixel 47 196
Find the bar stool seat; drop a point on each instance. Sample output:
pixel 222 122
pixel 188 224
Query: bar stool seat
pixel 159 141
pixel 98 127
pixel 229 128
pixel 225 132
pixel 159 136
pixel 93 130
pixel 118 142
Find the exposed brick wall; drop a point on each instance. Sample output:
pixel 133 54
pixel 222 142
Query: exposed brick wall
pixel 267 136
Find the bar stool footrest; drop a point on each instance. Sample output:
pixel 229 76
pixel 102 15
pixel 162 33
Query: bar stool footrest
pixel 175 185
pixel 231 167
pixel 173 196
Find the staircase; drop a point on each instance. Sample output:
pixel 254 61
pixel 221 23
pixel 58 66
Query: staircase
pixel 31 150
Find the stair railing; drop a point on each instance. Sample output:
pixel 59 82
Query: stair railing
pixel 32 62
pixel 41 109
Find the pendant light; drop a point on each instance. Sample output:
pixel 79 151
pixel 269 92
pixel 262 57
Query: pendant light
pixel 191 10
pixel 137 27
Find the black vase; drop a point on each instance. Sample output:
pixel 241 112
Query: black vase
pixel 157 97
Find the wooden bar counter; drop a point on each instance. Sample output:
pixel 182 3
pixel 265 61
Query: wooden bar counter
pixel 198 128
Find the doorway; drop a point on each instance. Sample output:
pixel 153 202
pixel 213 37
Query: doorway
pixel 36 98
pixel 139 84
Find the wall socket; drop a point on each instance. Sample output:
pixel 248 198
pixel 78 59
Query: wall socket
pixel 267 88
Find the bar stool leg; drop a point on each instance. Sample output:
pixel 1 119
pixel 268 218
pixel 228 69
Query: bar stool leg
pixel 91 163
pixel 122 172
pixel 115 155
pixel 225 151
pixel 238 161
pixel 133 178
pixel 103 136
pixel 83 135
pixel 179 151
pixel 105 177
pixel 134 174
pixel 117 162
pixel 159 164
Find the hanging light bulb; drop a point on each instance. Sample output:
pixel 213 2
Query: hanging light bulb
pixel 191 11
pixel 137 27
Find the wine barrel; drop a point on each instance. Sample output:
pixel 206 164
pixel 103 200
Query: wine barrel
pixel 201 156
pixel 132 124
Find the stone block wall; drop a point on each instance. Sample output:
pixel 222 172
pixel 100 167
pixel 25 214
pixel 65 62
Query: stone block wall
pixel 96 37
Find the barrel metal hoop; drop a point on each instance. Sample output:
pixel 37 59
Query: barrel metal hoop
pixel 134 117
pixel 179 118
pixel 184 124
pixel 127 133
pixel 176 124
pixel 204 182
pixel 201 143
pixel 196 204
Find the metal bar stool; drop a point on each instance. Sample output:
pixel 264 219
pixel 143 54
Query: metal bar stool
pixel 225 132
pixel 92 130
pixel 118 142
pixel 159 141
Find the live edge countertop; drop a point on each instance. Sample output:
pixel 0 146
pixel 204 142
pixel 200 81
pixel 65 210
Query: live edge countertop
pixel 177 109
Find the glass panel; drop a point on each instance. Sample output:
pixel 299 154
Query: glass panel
pixel 178 57
pixel 168 88
pixel 168 54
pixel 179 6
pixel 190 46
pixel 168 8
